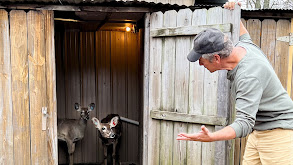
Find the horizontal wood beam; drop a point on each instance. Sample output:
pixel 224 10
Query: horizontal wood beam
pixel 188 30
pixel 79 8
pixel 188 118
pixel 116 9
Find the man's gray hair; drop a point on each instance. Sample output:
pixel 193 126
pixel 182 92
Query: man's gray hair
pixel 225 52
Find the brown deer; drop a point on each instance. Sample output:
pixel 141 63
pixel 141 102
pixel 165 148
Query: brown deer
pixel 72 130
pixel 110 130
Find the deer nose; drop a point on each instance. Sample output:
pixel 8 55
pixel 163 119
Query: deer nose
pixel 112 135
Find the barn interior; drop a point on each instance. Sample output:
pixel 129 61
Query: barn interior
pixel 99 60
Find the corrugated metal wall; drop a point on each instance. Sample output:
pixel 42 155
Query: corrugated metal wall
pixel 103 68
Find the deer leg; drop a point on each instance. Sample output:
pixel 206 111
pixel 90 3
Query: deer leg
pixel 71 149
pixel 114 154
pixel 105 154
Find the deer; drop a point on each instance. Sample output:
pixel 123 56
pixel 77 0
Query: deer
pixel 72 130
pixel 110 130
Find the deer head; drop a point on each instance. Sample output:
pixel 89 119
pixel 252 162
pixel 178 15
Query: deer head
pixel 107 127
pixel 84 111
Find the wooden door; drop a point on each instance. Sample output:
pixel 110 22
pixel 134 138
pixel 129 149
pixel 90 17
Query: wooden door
pixel 181 96
pixel 27 88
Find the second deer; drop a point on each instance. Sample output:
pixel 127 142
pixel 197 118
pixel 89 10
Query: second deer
pixel 72 130
pixel 110 130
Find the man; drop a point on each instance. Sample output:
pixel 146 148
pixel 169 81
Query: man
pixel 264 110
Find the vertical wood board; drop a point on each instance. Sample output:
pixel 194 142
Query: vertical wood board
pixel 196 86
pixel 168 98
pixel 282 51
pixel 184 17
pixel 6 111
pixel 51 88
pixel 37 86
pixel 155 89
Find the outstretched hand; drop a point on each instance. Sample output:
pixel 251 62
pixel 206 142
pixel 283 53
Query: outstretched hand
pixel 231 5
pixel 204 136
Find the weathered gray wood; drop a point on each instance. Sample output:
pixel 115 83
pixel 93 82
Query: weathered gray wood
pixel 6 111
pixel 155 81
pixel 188 30
pixel 222 148
pixel 282 51
pixel 145 100
pixel 268 39
pixel 52 141
pixel 181 85
pixel 196 84
pixel 254 28
pixel 214 16
pixel 168 98
pixel 188 118
pixel 37 86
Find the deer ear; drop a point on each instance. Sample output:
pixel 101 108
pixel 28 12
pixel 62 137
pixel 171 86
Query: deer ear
pixel 96 122
pixel 114 121
pixel 76 106
pixel 91 106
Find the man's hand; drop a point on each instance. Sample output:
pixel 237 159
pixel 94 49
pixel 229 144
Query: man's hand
pixel 204 136
pixel 231 5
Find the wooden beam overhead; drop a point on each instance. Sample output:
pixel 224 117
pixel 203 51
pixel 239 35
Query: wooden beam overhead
pixel 116 9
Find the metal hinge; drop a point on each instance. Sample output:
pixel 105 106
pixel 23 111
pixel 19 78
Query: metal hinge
pixel 286 39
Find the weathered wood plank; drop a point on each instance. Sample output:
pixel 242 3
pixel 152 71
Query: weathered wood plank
pixel 6 96
pixel 196 103
pixel 145 86
pixel 254 28
pixel 188 118
pixel 155 81
pixel 168 78
pixel 52 141
pixel 268 39
pixel 222 147
pixel 290 63
pixel 214 16
pixel 37 86
pixel 188 30
pixel 282 51
pixel 181 85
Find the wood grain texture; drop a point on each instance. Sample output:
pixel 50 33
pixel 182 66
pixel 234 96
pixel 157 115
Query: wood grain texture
pixel 168 98
pixel 183 47
pixel 282 51
pixel 6 97
pixel 155 88
pixel 37 85
pixel 52 141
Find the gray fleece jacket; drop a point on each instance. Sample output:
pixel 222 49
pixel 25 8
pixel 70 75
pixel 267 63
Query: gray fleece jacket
pixel 260 100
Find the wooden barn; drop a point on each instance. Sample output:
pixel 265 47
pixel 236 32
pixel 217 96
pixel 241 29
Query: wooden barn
pixel 55 53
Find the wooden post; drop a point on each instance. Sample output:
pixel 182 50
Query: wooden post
pixel 289 78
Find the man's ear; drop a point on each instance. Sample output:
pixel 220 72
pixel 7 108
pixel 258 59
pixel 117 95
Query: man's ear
pixel 217 58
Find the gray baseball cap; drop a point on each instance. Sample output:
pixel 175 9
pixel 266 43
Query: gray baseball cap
pixel 207 41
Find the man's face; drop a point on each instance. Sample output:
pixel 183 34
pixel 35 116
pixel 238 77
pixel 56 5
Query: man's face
pixel 211 66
